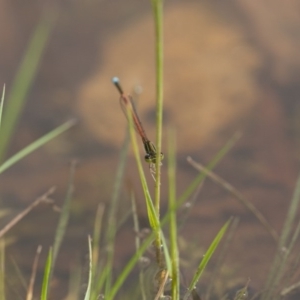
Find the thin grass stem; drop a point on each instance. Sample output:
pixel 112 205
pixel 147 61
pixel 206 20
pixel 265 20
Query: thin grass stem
pixel 157 6
pixel 173 220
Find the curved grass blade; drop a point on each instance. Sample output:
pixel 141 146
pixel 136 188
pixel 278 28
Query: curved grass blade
pixel 64 217
pixel 206 257
pixel 88 291
pixel 47 271
pixel 35 145
pixel 24 78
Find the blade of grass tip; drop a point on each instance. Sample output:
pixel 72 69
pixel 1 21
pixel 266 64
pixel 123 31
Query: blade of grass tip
pixel 206 257
pixel 47 271
pixel 110 232
pixel 2 103
pixel 44 198
pixel 25 77
pixel 136 227
pixel 88 291
pixel 64 216
pixel 36 144
pixel 29 295
pixel 227 186
pixel 173 220
pixel 195 183
pixel 242 294
pixel 2 269
pixel 283 240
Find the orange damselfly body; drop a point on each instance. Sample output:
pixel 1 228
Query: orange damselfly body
pixel 128 106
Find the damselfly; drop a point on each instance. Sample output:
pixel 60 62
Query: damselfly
pixel 128 107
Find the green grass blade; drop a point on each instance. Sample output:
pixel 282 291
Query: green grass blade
pixel 281 256
pixel 215 276
pixel 2 103
pixel 292 213
pixel 96 247
pixel 24 78
pixel 2 269
pixel 173 220
pixel 64 217
pixel 35 145
pixel 46 279
pixel 206 257
pixel 88 291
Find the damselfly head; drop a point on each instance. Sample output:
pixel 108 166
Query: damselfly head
pixel 151 157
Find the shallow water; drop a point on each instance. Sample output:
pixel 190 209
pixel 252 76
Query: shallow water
pixel 227 68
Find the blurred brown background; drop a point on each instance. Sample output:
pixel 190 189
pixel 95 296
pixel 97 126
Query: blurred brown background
pixel 229 66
